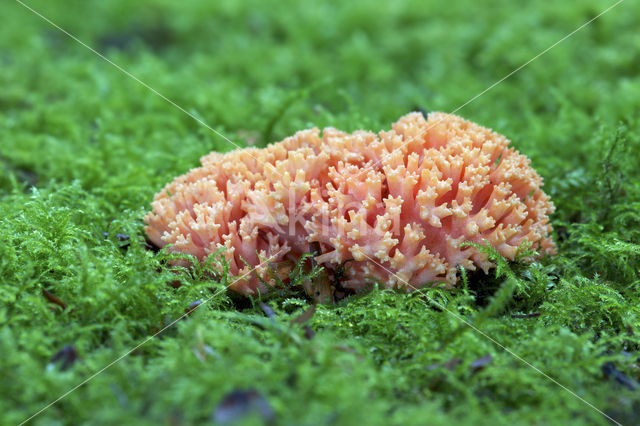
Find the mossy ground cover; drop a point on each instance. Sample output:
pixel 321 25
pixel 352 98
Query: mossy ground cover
pixel 83 148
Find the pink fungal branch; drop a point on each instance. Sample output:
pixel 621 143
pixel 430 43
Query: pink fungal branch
pixel 407 198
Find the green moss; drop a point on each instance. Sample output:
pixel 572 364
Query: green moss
pixel 84 148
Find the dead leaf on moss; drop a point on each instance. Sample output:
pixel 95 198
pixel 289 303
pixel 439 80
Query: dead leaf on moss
pixel 305 316
pixel 268 311
pixel 481 363
pixel 240 403
pixel 610 371
pixel 67 356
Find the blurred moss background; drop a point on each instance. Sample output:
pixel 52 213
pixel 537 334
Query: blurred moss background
pixel 83 148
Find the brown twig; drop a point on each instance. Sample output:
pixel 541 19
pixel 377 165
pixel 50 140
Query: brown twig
pixel 54 299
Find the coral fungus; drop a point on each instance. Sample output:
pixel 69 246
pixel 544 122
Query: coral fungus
pixel 402 201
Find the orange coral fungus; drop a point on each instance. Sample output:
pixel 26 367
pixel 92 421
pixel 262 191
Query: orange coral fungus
pixel 401 201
